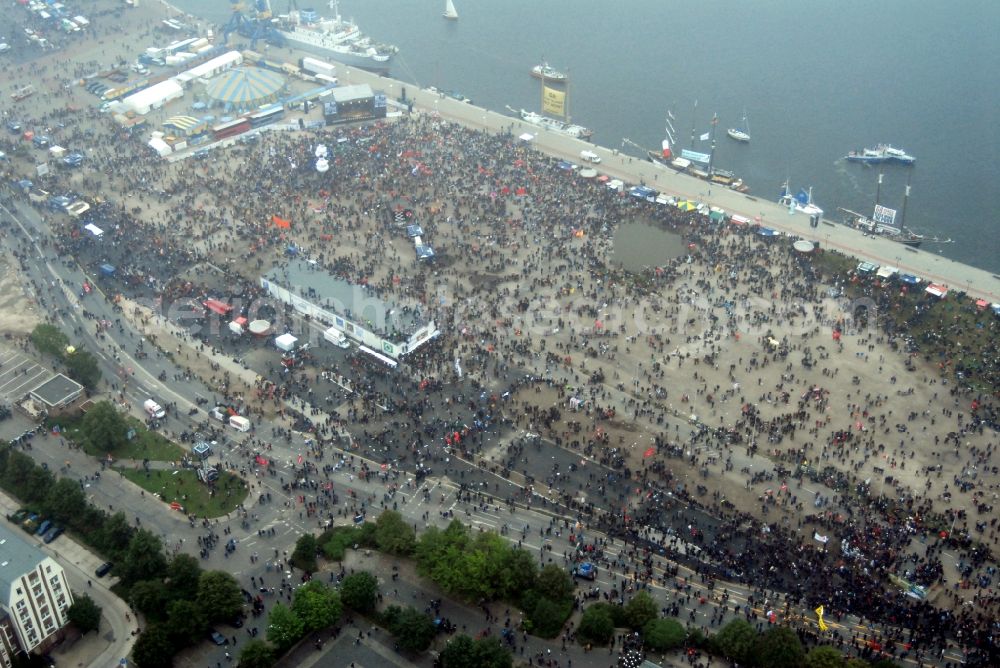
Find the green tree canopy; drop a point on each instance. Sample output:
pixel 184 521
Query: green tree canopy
pixel 736 641
pixel 304 555
pixel 64 500
pixel 144 559
pixel 84 614
pixel 640 610
pixel 284 627
pixel 554 583
pixel 662 635
pixel 394 535
pixel 186 623
pixel 103 427
pixel 317 605
pixel 219 596
pixel 412 629
pixel 779 647
pixel 183 576
pixel 464 652
pixel 359 591
pixel 149 597
pixel 153 648
pixel 114 536
pixel 596 624
pixel 257 654
pixel 49 339
pixel 824 656
pixel 82 367
pixel 520 575
pixel 855 662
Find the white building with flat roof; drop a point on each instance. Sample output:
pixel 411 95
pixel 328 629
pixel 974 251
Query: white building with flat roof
pixel 34 596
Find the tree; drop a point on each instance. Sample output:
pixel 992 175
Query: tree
pixel 153 649
pixel 861 663
pixel 186 623
pixel 84 614
pixel 359 592
pixel 64 500
pixel 183 575
pixel 317 605
pixel 115 535
pixel 143 560
pixel 779 647
pixel 83 368
pixel 885 663
pixel 103 427
pixel 284 627
pixel 394 535
pixel 824 656
pixel 48 339
pixel 257 654
pixel 520 575
pixel 149 597
pixel 736 640
pixel 546 617
pixel 413 630
pixel 219 596
pixel 661 635
pixel 596 624
pixel 304 556
pixel 640 610
pixel 464 652
pixel 554 583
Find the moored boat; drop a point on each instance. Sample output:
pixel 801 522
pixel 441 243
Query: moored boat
pixel 336 38
pixel 800 202
pixel 742 133
pixel 554 125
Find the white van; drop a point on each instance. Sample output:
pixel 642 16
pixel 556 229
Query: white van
pixel 153 409
pixel 336 337
pixel 239 423
pixel 590 156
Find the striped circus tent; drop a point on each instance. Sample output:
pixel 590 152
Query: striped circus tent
pixel 245 88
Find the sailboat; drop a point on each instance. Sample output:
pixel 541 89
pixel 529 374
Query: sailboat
pixel 741 133
pixel 449 11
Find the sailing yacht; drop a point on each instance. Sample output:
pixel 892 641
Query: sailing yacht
pixel 741 133
pixel 449 11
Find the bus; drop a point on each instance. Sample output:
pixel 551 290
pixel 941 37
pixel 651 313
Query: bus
pixel 266 117
pixel 230 129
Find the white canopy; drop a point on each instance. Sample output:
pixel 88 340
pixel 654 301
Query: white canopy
pixel 93 229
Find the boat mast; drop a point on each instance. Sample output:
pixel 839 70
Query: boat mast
pixel 694 121
pixel 711 155
pixel 902 213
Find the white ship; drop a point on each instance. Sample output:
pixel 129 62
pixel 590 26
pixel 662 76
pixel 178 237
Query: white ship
pixel 335 38
pixel 554 125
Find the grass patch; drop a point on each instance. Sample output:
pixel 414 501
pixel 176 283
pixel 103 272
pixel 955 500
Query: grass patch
pixel 183 486
pixel 145 445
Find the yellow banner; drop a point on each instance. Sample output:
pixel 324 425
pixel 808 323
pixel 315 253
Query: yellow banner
pixel 820 623
pixel 553 101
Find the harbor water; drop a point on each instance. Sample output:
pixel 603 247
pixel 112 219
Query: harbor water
pixel 816 80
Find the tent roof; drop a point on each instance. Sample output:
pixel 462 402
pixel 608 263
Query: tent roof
pixel 245 86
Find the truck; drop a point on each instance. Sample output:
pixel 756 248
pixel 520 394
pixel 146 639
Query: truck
pixel 336 337
pixel 239 423
pixel 316 66
pixel 153 409
pixel 590 156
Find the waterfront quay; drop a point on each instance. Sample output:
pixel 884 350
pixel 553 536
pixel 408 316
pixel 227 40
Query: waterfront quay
pixel 761 207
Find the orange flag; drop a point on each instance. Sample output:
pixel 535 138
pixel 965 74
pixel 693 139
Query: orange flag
pixel 281 222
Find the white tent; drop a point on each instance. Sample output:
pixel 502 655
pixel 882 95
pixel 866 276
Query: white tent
pixel 285 342
pixel 94 229
pixel 153 97
pixel 161 147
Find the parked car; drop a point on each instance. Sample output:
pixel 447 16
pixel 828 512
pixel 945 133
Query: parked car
pixel 219 639
pixel 104 569
pixel 52 534
pixel 43 527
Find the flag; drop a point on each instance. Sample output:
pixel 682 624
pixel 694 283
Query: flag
pixel 705 136
pixel 650 451
pixel 281 222
pixel 819 615
pixel 299 459
pixel 553 101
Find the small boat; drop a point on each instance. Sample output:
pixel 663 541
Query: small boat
pixel 880 154
pixel 449 11
pixel 741 133
pixel 800 202
pixel 546 73
pixel 554 125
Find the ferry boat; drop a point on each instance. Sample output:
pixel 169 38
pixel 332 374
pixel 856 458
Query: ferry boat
pixel 335 38
pixel 800 202
pixel 554 125
pixel 880 154
pixel 546 73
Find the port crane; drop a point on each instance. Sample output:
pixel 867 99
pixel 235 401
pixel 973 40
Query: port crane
pixel 254 27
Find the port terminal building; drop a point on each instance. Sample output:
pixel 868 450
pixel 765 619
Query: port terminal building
pixel 390 329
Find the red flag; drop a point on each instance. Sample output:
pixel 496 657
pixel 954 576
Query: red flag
pixel 650 451
pixel 281 223
pixel 300 459
pixel 261 460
